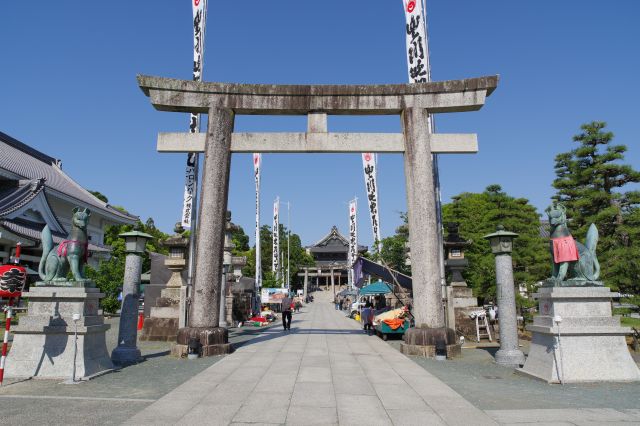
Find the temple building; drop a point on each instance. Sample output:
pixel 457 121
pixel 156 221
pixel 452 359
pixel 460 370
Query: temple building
pixel 330 256
pixel 34 192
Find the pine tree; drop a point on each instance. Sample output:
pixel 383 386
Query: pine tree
pixel 590 182
pixel 478 215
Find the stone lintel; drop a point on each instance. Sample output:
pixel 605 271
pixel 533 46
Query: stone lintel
pixel 441 143
pixel 267 99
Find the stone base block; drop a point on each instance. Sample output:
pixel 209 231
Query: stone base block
pixel 214 340
pixel 429 351
pixel 181 351
pixel 165 312
pixel 587 346
pixel 159 330
pixel 44 341
pixel 422 342
pixel 126 356
pixel 466 325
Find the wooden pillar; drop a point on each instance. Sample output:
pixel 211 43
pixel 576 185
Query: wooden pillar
pixel 333 285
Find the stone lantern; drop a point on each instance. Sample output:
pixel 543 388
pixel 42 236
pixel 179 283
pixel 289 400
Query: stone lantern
pixel 170 308
pixel 455 262
pixel 127 352
pixel 460 301
pixel 226 301
pixel 177 258
pixel 501 243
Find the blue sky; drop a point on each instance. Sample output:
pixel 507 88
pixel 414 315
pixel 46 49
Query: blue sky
pixel 68 88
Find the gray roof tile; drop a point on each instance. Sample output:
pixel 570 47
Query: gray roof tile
pixel 28 163
pixel 20 196
pixel 32 231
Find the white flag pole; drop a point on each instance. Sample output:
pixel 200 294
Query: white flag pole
pixel 275 264
pixel 257 168
pixel 289 246
pixel 190 198
pixel 419 68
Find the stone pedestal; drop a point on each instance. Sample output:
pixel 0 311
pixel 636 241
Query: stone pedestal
pixel 162 325
pixel 43 344
pixel 421 341
pixel 214 340
pixel 592 346
pixel 461 305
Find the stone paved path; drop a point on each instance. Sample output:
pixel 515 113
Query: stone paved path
pixel 326 371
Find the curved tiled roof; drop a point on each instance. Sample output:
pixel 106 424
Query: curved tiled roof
pixel 20 196
pixel 32 231
pixel 27 163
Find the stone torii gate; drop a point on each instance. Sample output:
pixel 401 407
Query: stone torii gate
pixel 222 101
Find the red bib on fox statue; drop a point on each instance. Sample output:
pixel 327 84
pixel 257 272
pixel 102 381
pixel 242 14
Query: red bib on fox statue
pixel 12 280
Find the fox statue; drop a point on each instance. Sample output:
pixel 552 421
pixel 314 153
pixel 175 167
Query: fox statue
pixel 573 263
pixel 70 254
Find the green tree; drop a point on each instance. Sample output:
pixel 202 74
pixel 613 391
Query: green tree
pixel 297 255
pixel 240 240
pixel 110 273
pixel 394 248
pixel 590 183
pixel 478 215
pixel 100 196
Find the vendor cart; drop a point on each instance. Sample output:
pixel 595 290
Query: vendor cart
pixel 383 329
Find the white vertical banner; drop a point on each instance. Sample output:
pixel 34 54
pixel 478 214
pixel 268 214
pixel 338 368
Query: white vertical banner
pixel 417 49
pixel 199 8
pixel 275 264
pixel 257 166
pixel 419 70
pixel 353 237
pixel 370 167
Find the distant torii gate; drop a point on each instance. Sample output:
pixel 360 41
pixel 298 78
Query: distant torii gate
pixel 222 101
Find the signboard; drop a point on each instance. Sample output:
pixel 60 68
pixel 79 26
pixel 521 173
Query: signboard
pixel 272 295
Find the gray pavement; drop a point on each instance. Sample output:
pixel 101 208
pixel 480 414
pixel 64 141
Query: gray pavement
pixel 325 371
pixel 108 399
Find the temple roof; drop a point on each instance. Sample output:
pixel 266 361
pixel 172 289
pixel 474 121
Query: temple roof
pixel 15 198
pixel 32 231
pixel 333 242
pixel 19 162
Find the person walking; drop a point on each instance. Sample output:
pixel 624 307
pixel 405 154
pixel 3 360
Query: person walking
pixel 367 318
pixel 286 312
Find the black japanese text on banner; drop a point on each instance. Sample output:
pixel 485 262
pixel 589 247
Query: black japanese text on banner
pixel 199 8
pixel 370 167
pixel 353 236
pixel 275 264
pixel 257 165
pixel 417 50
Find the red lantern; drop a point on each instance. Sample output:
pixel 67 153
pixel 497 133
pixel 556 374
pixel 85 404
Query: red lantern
pixel 12 280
